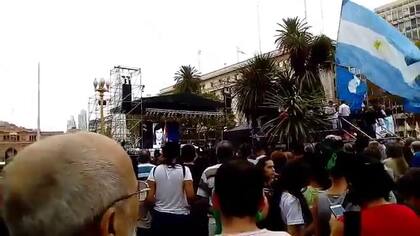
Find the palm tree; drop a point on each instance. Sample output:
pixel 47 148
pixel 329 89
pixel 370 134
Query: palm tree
pixel 254 82
pixel 307 53
pixel 298 93
pixel 187 80
pixel 299 112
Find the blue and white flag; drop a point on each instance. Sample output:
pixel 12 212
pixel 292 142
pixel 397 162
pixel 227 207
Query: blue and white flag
pixel 385 56
pixel 350 88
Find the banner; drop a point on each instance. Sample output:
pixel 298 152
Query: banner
pixel 350 88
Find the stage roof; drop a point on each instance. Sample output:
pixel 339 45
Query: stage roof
pixel 175 104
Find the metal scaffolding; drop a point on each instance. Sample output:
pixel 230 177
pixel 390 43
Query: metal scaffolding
pixel 120 124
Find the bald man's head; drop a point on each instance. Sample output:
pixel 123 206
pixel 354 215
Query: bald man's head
pixel 60 185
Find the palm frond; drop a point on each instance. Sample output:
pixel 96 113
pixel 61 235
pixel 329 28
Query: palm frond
pixel 187 80
pixel 321 51
pixel 254 82
pixel 294 38
pixel 300 113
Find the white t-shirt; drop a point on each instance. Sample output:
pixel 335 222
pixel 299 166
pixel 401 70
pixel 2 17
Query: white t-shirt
pixel 206 185
pixel 344 110
pixel 170 194
pixel 291 210
pixel 262 232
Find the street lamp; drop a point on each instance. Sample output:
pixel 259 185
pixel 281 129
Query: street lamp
pixel 102 87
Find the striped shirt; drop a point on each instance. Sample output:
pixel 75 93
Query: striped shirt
pixel 144 170
pixel 206 185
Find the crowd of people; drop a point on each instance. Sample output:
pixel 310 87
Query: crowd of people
pixel 87 184
pixel 374 119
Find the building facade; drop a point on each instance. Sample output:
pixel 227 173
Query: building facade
pixel 14 138
pixel 221 81
pixel 403 15
pixel 82 120
pixel 71 123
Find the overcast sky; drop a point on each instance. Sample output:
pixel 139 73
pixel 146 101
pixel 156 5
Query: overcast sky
pixel 78 40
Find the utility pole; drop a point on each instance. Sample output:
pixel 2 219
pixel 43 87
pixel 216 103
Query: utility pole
pixel 259 25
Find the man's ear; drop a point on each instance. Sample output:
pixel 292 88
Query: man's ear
pixel 108 222
pixel 215 201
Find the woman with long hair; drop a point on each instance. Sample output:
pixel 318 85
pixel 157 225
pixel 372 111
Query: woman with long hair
pixel 266 166
pixel 335 195
pixel 289 210
pixel 171 191
pixel 396 161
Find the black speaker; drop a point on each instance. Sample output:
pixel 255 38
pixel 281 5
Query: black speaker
pixel 147 135
pixel 126 98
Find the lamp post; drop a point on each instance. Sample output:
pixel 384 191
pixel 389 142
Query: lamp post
pixel 102 87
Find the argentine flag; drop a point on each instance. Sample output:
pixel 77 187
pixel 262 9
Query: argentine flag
pixel 369 43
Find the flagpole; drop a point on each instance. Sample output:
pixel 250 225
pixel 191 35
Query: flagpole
pixel 338 33
pixel 306 11
pixel 259 25
pixel 237 54
pixel 322 16
pixel 199 59
pixel 38 134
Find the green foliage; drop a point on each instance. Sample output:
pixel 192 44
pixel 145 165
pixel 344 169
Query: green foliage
pixel 211 96
pixel 417 44
pixel 255 81
pixel 307 53
pixel 300 112
pixel 294 39
pixel 298 94
pixel 187 80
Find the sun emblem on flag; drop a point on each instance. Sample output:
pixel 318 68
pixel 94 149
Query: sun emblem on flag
pixel 377 44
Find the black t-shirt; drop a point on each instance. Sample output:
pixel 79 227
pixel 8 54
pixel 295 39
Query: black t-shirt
pixel 3 228
pixel 196 174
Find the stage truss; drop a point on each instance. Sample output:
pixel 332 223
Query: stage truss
pixel 120 125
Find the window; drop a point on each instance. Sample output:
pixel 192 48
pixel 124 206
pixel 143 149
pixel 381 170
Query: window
pixel 412 10
pixel 408 34
pixel 401 27
pixel 413 23
pixel 394 14
pixel 211 84
pixel 407 25
pixel 6 137
pixel 400 14
pixel 17 138
pixel 405 12
pixel 388 16
pixel 415 35
pixel 418 9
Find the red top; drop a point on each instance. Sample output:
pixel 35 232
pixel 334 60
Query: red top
pixel 390 220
